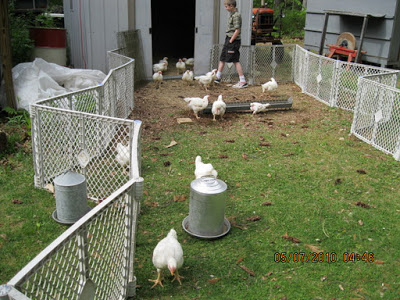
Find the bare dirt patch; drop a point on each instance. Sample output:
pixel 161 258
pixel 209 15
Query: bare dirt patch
pixel 159 108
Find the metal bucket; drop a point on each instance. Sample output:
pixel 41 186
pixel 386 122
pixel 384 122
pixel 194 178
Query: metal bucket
pixel 207 208
pixel 71 197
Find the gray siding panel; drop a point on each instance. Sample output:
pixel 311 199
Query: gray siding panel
pixel 381 37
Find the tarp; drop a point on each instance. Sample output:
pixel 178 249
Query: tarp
pixel 37 80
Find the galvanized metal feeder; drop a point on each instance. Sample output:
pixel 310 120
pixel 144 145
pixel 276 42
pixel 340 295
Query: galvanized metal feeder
pixel 207 208
pixel 71 198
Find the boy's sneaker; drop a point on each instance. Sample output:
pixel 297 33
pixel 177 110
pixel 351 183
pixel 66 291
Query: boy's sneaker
pixel 240 85
pixel 217 80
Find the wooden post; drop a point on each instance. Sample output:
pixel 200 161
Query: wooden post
pixel 6 58
pixel 321 45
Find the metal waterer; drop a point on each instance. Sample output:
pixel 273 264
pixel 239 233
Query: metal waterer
pixel 71 197
pixel 207 208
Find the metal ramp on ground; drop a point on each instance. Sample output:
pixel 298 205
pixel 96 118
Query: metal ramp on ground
pixel 245 106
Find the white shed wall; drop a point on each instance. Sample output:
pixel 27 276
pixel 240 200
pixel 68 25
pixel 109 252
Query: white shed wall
pixel 92 28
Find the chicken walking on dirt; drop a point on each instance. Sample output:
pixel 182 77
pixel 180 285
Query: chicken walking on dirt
pixel 197 104
pixel 158 77
pixel 218 108
pixel 270 85
pixel 168 254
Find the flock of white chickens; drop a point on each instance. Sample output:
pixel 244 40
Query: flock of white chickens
pixel 197 104
pixel 168 253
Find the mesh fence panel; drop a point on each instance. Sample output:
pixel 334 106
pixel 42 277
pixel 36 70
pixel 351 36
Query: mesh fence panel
pixel 85 143
pixel 99 248
pixel 377 115
pixel 346 86
pixel 320 75
pixel 122 84
pixel 259 63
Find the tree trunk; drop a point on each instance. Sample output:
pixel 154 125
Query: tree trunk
pixel 5 49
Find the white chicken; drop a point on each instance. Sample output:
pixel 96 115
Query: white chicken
pixel 168 254
pixel 189 61
pixel 205 80
pixel 197 104
pixel 269 86
pixel 188 76
pixel 256 107
pixel 180 66
pixel 123 154
pixel 203 169
pixel 164 60
pixel 218 108
pixel 158 77
pixel 163 66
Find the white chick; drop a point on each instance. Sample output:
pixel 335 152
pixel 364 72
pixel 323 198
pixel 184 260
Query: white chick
pixel 203 169
pixel 158 77
pixel 168 254
pixel 188 76
pixel 189 61
pixel 269 86
pixel 205 80
pixel 123 154
pixel 180 66
pixel 256 107
pixel 218 108
pixel 197 104
pixel 160 67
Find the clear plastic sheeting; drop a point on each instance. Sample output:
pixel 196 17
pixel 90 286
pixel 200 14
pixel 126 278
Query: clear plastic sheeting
pixel 39 79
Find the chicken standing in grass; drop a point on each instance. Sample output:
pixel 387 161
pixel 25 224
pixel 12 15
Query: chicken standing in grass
pixel 123 154
pixel 197 104
pixel 202 169
pixel 180 66
pixel 218 108
pixel 256 107
pixel 188 76
pixel 158 77
pixel 168 254
pixel 269 86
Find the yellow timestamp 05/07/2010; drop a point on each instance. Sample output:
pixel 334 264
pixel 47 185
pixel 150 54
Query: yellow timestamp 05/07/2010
pixel 320 257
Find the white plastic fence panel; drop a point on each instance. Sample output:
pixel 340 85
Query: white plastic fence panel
pixel 98 248
pixel 377 115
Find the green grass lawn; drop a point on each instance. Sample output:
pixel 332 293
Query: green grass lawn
pixel 314 189
pixel 313 174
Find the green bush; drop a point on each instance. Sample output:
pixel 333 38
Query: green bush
pixel 293 23
pixel 21 44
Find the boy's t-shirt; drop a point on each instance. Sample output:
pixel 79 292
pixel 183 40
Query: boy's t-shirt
pixel 234 22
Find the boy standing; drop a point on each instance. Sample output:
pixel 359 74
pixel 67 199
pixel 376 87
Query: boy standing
pixel 230 51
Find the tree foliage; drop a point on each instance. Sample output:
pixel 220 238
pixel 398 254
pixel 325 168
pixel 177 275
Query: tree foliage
pixel 291 14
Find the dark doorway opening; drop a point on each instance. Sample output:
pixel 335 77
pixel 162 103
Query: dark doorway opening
pixel 173 29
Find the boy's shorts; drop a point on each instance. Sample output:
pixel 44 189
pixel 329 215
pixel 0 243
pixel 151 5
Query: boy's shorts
pixel 230 51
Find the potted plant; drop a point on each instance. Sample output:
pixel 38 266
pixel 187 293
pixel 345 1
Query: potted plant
pixel 50 41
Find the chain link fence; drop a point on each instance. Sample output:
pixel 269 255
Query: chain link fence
pixel 93 259
pixel 79 131
pixel 259 63
pixel 377 113
pixel 87 132
pixel 331 81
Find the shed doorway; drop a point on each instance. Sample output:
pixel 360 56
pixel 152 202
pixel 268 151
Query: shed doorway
pixel 173 31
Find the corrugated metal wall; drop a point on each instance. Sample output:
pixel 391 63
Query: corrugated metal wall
pixel 92 27
pixel 381 37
